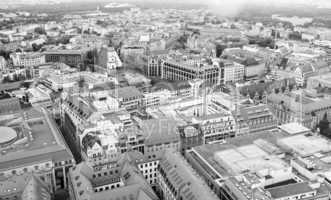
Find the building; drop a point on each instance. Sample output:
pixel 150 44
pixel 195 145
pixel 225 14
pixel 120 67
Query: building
pixel 3 63
pixel 32 143
pixel 129 97
pixel 299 106
pixel 177 180
pixel 258 166
pixel 178 69
pixel 233 72
pixel 154 62
pixel 116 180
pixel 26 186
pixel 256 117
pixel 161 135
pixel 303 71
pixel 190 136
pixel 322 81
pixel 108 58
pixel 216 127
pixel 67 81
pixel 27 59
pixel 72 58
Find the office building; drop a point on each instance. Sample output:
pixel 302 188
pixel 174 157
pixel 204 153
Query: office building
pixel 176 69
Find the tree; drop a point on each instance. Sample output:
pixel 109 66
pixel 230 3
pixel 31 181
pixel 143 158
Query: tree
pixel 36 47
pixel 40 31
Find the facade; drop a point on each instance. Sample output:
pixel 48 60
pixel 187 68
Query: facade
pixel 130 98
pixel 70 57
pixel 27 59
pixel 186 70
pixel 256 117
pixel 190 136
pixel 216 127
pixel 154 62
pixel 233 72
pixel 297 106
pixel 108 58
pixel 304 70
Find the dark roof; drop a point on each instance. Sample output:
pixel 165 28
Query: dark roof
pixel 290 190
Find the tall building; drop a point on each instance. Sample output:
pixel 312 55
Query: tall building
pixel 3 63
pixel 176 69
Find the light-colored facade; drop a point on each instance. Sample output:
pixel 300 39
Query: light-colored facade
pixel 233 72
pixel 28 59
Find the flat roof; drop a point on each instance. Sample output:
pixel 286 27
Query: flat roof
pixel 7 134
pixel 290 190
pixel 39 140
pixel 306 145
pixel 207 152
pixel 293 128
pixel 248 158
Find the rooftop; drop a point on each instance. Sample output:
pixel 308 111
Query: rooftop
pixel 306 145
pixel 294 128
pixel 182 177
pixel 160 131
pixel 38 139
pixel 290 190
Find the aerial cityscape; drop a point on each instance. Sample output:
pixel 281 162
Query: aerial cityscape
pixel 165 100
